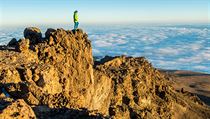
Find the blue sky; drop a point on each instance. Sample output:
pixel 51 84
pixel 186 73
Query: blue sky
pixel 17 12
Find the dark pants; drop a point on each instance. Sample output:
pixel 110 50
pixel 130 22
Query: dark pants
pixel 76 24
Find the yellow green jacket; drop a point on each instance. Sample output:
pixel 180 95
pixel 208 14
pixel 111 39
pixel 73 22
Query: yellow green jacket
pixel 76 19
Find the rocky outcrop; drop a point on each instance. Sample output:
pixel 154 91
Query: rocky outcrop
pixel 59 79
pixel 57 72
pixel 34 34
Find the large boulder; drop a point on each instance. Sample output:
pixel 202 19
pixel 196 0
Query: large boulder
pixel 33 34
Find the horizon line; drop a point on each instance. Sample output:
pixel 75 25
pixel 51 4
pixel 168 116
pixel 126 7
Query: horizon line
pixel 107 23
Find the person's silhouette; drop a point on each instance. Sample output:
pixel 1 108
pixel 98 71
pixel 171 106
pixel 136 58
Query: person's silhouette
pixel 76 20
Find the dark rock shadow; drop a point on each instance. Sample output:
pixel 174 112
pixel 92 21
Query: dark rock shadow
pixel 3 104
pixel 205 99
pixel 44 112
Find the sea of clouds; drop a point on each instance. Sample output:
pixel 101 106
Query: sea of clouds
pixel 182 47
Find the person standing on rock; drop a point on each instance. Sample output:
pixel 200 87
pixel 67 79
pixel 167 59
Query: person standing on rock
pixel 76 21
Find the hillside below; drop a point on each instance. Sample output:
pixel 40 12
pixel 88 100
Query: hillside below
pixel 194 82
pixel 56 77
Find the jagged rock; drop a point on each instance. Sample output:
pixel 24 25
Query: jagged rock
pixel 13 42
pixel 17 110
pixel 33 34
pixel 134 84
pixel 140 91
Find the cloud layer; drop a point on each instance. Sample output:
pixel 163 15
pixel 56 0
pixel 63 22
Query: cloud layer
pixel 171 47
